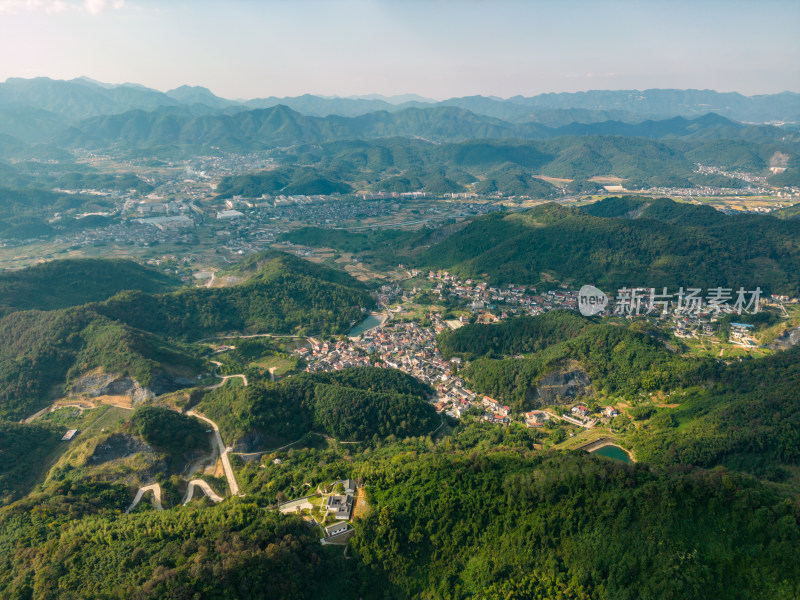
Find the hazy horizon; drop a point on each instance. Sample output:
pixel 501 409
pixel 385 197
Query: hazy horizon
pixel 442 49
pixel 377 95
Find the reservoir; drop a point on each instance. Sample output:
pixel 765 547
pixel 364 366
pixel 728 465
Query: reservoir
pixel 371 322
pixel 613 452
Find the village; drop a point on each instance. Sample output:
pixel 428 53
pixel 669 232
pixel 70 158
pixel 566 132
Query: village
pixel 412 347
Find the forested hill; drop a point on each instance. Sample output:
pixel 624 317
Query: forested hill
pixel 268 264
pixel 668 245
pixel 43 353
pixel 71 282
pixel 278 293
pixel 143 335
pixel 355 404
pixel 521 335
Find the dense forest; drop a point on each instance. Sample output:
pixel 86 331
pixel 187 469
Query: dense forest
pixel 670 245
pixel 170 431
pixel 72 542
pixel 353 404
pixel 71 282
pixel 444 523
pixel 286 295
pixel 609 359
pixel 743 415
pixel 522 335
pixel 44 352
pixel 23 449
pixel 571 527
pixel 748 420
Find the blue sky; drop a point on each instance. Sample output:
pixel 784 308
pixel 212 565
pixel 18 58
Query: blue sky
pixel 436 48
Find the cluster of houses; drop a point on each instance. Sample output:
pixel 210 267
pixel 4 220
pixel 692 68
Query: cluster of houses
pixel 515 298
pixel 404 346
pixel 742 334
pixel 411 349
pixel 333 356
pixel 705 325
pixel 535 418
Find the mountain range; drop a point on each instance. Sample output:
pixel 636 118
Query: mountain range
pixel 81 98
pixel 278 126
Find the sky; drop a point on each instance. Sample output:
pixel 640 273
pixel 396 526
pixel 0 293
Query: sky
pixel 243 49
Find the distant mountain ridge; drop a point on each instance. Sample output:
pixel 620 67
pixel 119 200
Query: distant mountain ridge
pixel 84 97
pixel 281 126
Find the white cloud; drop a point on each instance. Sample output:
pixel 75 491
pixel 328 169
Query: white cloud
pixel 93 7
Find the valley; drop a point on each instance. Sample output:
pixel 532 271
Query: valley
pixel 320 347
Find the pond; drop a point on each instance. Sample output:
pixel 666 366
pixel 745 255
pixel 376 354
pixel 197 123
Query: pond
pixel 613 452
pixel 371 322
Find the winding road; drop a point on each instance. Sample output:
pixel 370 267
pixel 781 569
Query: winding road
pixel 223 453
pixel 203 486
pixel 224 378
pixel 156 489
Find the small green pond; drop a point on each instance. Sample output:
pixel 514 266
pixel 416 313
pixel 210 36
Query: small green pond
pixel 614 452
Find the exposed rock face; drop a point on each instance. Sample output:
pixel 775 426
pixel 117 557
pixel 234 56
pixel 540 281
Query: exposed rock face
pixel 254 441
pixel 561 385
pixel 118 445
pixel 98 383
pixel 787 340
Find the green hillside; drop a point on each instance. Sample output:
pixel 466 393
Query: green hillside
pixel 197 553
pixel 680 245
pixel 566 527
pixel 71 282
pixel 748 420
pixel 44 352
pixel 134 333
pixel 511 180
pixel 616 360
pixel 282 181
pixel 790 212
pixel 400 164
pixel 23 448
pixel 279 125
pixel 353 404
pixel 284 295
pixel 744 415
pixel 522 335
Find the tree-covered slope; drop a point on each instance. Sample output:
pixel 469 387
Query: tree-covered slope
pixel 280 294
pixel 522 335
pixel 553 242
pixel 71 282
pixel 24 449
pixel 748 420
pixel 73 543
pixel 352 404
pixel 43 352
pixel 570 527
pixel 617 360
pixel 135 333
pixel 744 415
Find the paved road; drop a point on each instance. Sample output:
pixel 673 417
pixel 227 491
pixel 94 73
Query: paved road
pixel 223 453
pixel 224 378
pixel 203 486
pixel 142 491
